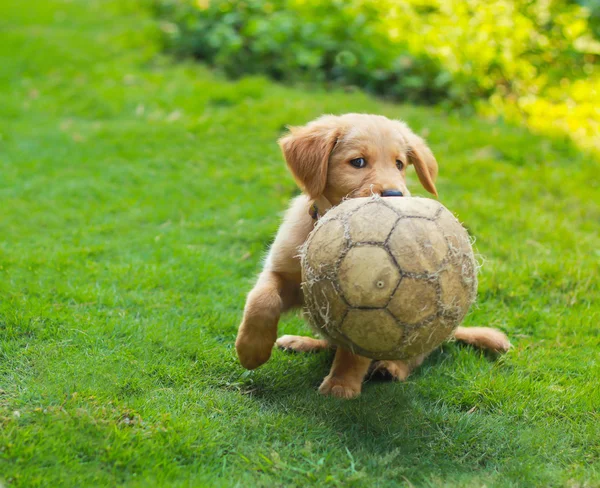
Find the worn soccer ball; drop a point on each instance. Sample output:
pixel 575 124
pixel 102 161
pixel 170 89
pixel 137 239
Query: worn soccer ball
pixel 388 278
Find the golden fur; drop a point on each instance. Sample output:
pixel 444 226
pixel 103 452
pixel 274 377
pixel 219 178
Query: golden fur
pixel 319 155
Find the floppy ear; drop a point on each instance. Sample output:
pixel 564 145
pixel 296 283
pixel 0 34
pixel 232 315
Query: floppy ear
pixel 421 157
pixel 424 162
pixel 307 150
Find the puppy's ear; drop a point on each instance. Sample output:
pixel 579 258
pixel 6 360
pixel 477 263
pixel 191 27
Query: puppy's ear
pixel 421 157
pixel 307 150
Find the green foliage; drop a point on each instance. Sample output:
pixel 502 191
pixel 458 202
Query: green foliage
pixel 137 198
pixel 529 57
pixel 594 8
pixel 342 42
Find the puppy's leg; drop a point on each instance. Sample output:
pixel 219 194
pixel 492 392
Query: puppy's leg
pixel 398 370
pixel 258 330
pixel 484 338
pixel 301 343
pixel 346 375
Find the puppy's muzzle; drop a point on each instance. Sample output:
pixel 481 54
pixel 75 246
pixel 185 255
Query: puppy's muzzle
pixel 391 193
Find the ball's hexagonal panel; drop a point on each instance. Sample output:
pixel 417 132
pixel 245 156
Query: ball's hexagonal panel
pixel 414 300
pixel 417 245
pixel 371 223
pixel 414 206
pixel 427 337
pixel 372 330
pixel 368 276
pixel 454 232
pixel 326 245
pixel 458 289
pixel 326 305
pixel 346 207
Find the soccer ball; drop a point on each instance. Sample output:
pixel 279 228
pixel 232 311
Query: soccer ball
pixel 388 278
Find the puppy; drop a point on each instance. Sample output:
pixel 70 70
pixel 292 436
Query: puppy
pixel 333 158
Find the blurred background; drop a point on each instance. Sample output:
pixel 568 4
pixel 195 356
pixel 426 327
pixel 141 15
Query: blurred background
pixel 528 61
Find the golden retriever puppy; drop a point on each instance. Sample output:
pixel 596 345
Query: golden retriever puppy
pixel 333 158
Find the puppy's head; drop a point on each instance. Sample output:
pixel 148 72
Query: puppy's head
pixel 355 155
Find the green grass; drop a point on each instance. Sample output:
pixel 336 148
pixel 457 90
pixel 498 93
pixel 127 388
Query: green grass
pixel 137 199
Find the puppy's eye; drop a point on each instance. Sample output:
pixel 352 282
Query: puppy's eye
pixel 358 162
pixel 399 164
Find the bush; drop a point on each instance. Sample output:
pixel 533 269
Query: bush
pixel 526 56
pixel 342 42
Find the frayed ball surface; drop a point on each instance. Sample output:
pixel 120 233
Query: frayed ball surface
pixel 388 278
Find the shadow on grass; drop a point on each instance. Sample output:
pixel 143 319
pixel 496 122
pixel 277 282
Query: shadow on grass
pixel 390 421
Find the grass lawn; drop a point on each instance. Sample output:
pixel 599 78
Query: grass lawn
pixel 137 198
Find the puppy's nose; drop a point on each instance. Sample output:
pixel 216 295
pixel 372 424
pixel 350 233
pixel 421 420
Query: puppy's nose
pixel 391 193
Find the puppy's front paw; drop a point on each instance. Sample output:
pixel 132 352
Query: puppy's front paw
pixel 340 387
pixel 398 370
pixel 301 343
pixel 253 350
